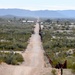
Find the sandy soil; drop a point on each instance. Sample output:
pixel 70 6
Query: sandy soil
pixel 34 54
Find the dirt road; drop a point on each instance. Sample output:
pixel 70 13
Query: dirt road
pixel 33 56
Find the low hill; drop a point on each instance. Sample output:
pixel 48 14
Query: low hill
pixel 39 13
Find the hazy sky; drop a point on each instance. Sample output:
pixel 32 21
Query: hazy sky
pixel 38 4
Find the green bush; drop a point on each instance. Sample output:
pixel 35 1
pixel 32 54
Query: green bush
pixel 56 48
pixel 11 58
pixel 53 72
pixel 15 34
pixel 73 68
pixel 14 62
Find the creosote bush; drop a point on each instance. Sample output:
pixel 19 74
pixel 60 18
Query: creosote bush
pixel 11 58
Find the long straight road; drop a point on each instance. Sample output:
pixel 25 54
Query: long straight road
pixel 33 56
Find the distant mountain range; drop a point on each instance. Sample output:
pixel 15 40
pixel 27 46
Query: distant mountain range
pixel 39 13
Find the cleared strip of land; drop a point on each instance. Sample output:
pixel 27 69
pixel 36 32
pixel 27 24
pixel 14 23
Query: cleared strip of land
pixel 34 63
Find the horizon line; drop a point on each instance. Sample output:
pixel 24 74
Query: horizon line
pixel 39 9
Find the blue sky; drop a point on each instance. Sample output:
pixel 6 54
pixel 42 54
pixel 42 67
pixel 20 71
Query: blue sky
pixel 38 4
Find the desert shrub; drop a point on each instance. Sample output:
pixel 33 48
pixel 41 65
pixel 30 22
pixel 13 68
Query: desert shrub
pixel 73 68
pixel 53 72
pixel 57 47
pixel 11 58
pixel 15 34
pixel 1 61
pixel 19 45
pixel 18 57
pixel 14 62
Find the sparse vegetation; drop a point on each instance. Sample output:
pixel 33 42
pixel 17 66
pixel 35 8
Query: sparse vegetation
pixel 11 58
pixel 53 72
pixel 14 34
pixel 58 41
pixel 73 68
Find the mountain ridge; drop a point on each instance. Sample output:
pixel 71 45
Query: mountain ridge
pixel 39 13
